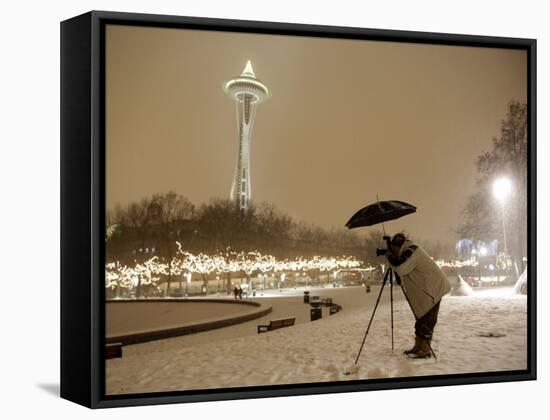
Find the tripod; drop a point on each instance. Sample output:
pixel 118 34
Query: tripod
pixel 388 276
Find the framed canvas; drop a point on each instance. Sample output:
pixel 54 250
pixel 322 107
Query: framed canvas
pixel 256 209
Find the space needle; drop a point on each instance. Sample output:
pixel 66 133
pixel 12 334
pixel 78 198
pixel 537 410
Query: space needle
pixel 247 91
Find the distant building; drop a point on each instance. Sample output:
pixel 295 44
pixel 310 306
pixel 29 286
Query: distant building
pixel 247 91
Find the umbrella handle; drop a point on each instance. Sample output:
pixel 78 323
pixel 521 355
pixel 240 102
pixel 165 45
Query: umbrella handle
pixel 383 228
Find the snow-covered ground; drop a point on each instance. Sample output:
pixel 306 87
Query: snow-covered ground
pixel 479 333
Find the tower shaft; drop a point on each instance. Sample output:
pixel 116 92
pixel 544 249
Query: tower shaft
pixel 241 191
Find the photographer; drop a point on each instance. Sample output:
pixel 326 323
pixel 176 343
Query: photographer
pixel 424 284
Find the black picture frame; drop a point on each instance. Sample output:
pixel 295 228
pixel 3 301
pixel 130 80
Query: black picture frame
pixel 83 204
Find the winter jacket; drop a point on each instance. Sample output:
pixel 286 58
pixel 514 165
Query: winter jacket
pixel 422 280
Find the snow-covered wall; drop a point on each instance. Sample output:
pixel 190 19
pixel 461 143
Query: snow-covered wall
pixel 462 288
pixel 521 285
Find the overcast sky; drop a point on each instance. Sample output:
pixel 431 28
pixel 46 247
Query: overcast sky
pixel 347 120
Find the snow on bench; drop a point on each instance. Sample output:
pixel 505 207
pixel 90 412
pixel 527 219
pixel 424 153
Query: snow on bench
pixel 335 308
pixel 317 302
pixel 113 350
pixel 276 324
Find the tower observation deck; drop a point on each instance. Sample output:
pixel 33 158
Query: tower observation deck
pixel 247 91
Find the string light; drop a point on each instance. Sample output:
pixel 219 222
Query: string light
pixel 472 262
pixel 186 263
pixel 228 262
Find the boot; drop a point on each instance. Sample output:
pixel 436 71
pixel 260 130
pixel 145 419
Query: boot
pixel 424 350
pixel 415 347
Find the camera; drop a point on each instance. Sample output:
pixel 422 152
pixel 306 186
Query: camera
pixel 383 251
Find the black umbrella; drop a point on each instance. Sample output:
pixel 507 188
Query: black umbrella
pixel 380 212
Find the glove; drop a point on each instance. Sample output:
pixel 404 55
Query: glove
pixel 391 256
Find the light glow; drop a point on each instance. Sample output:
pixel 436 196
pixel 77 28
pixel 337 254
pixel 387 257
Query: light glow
pixel 502 188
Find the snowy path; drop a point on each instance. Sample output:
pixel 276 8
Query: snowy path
pixel 319 351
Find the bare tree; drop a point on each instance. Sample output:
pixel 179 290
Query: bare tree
pixel 226 226
pixel 132 226
pixel 508 157
pixel 167 215
pixel 272 228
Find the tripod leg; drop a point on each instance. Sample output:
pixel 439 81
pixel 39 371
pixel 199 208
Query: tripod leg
pixel 373 312
pixel 432 350
pixel 391 305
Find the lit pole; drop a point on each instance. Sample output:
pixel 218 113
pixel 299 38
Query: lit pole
pixel 501 190
pixel 474 254
pixel 482 253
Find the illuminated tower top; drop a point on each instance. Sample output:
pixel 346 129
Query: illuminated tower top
pixel 247 84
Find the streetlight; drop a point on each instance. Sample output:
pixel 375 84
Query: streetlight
pixel 474 255
pixel 483 251
pixel 501 189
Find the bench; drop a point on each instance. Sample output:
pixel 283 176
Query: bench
pixel 276 324
pixel 177 293
pixel 315 303
pixel 320 302
pixel 113 350
pixel 335 308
